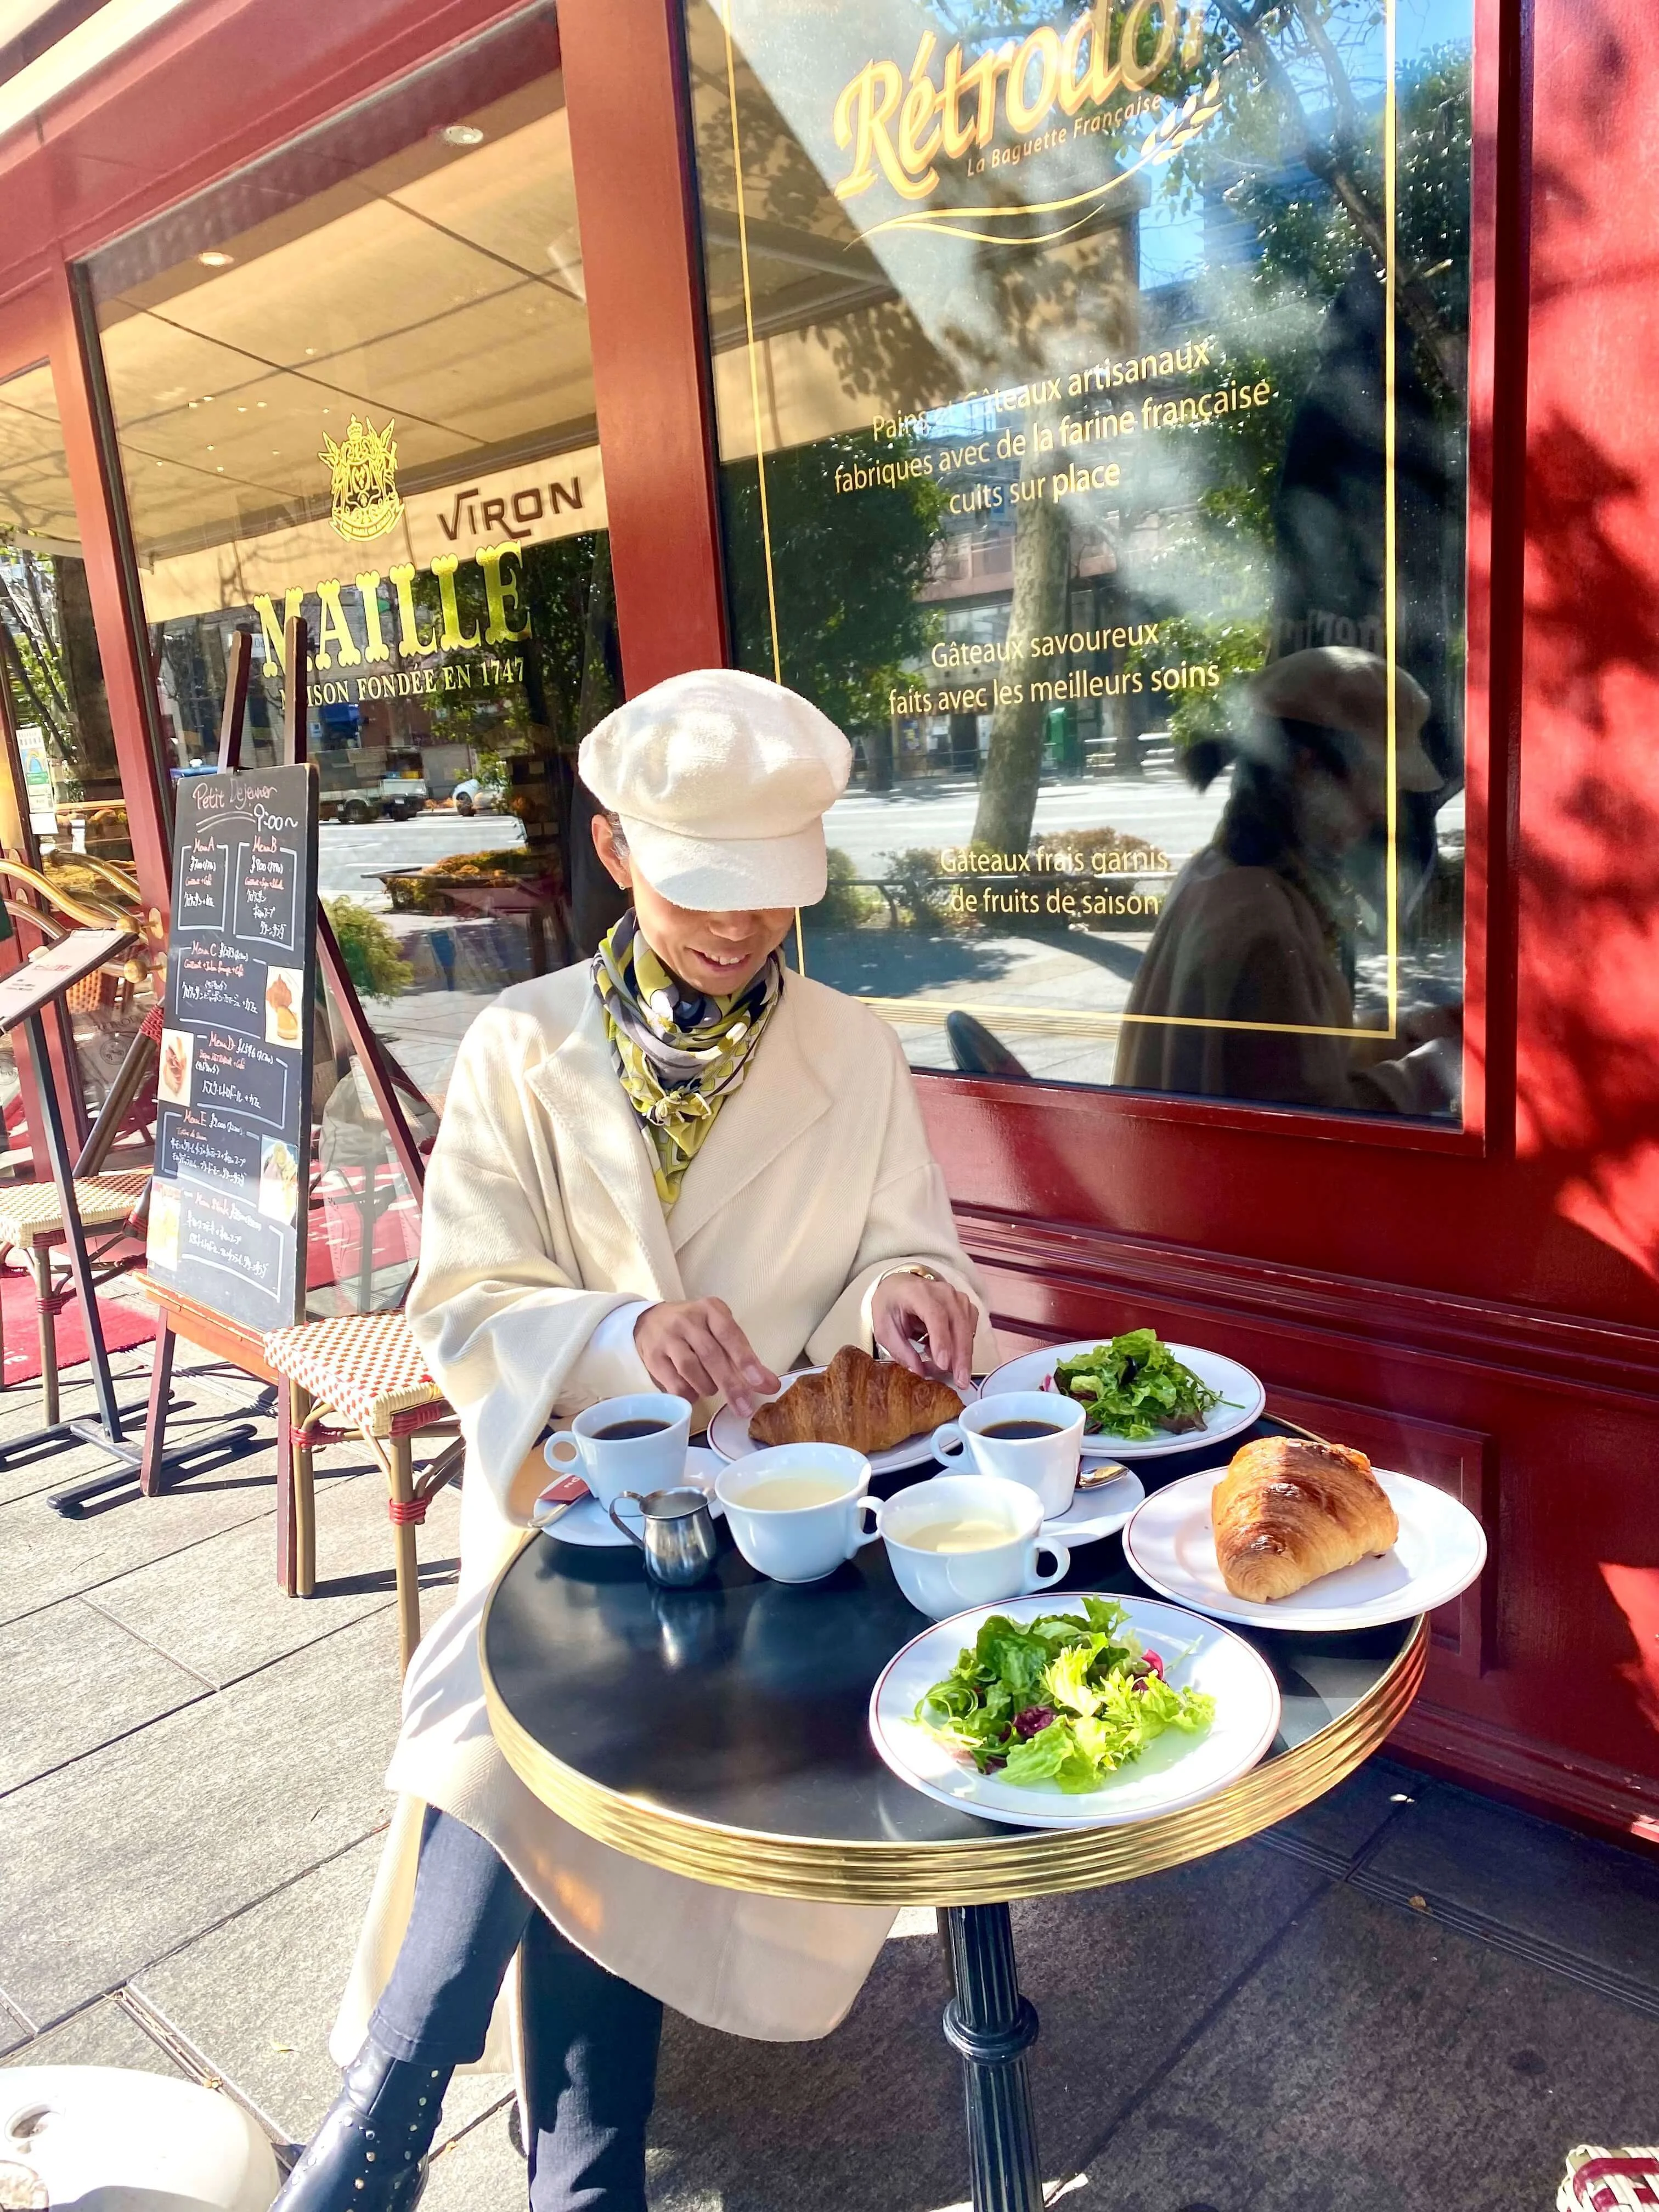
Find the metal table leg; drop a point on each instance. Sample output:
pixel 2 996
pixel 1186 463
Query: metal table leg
pixel 992 2027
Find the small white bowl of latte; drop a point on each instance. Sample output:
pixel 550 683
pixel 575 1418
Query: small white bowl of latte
pixel 967 1540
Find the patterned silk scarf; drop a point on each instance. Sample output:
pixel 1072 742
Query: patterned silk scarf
pixel 679 1053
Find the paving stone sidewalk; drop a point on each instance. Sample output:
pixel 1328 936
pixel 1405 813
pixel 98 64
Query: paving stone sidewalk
pixel 1408 1999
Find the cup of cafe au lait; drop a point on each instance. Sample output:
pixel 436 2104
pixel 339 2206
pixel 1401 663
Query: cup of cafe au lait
pixel 636 1442
pixel 796 1511
pixel 966 1540
pixel 1029 1436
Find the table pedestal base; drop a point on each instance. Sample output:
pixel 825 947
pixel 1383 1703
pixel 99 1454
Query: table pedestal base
pixel 992 2027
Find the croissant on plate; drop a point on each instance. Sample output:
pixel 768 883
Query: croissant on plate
pixel 1289 1510
pixel 870 1404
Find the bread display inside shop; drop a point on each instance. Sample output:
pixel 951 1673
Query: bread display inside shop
pixel 1289 1509
pixel 870 1404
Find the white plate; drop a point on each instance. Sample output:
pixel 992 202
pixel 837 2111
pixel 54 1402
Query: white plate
pixel 1441 1549
pixel 588 1524
pixel 1177 1770
pixel 729 1433
pixel 1243 1398
pixel 1093 1514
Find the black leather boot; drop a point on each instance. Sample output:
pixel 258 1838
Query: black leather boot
pixel 369 2155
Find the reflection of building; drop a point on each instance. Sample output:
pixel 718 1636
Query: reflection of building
pixel 391 231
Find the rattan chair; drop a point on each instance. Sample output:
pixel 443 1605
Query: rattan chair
pixel 1600 2180
pixel 112 1201
pixel 367 1370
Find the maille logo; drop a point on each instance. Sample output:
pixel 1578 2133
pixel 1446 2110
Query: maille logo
pixel 364 471
pixel 992 111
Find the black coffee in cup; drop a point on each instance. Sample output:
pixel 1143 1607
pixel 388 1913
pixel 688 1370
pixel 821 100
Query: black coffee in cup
pixel 621 1431
pixel 1015 1431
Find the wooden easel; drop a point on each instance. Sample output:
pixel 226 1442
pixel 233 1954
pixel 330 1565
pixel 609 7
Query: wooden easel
pixel 227 1340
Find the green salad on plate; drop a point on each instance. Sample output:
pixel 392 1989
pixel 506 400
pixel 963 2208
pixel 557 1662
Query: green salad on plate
pixel 1066 1698
pixel 1134 1388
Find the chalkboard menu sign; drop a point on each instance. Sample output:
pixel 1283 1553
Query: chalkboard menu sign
pixel 233 1126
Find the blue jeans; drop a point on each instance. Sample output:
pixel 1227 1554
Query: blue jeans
pixel 590 2039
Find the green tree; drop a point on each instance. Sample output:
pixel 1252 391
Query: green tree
pixel 369 949
pixel 847 616
pixel 1215 556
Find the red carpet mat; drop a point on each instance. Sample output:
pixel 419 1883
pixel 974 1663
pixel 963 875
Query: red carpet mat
pixel 125 1325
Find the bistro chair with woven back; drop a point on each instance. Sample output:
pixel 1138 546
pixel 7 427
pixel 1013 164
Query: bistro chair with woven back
pixel 359 1375
pixel 110 1199
pixel 350 1377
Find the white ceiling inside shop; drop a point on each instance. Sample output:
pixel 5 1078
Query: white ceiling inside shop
pixel 441 290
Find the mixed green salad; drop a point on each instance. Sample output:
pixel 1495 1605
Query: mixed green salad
pixel 1135 1388
pixel 1067 1699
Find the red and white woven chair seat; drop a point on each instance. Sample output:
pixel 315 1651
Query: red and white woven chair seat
pixel 1599 2180
pixel 30 1212
pixel 365 1367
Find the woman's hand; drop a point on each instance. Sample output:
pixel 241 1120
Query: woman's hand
pixel 696 1349
pixel 910 1311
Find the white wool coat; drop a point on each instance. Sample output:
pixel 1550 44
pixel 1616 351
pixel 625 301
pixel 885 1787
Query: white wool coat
pixel 540 1216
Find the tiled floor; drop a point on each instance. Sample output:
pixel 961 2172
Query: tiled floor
pixel 1407 1999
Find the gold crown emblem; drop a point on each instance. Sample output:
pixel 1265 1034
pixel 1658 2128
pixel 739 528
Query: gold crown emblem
pixel 364 471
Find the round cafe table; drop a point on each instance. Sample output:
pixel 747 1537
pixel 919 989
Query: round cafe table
pixel 722 1732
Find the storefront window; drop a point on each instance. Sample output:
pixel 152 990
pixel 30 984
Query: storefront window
pixel 1076 372
pixel 355 384
pixel 61 813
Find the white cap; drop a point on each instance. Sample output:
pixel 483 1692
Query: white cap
pixel 1338 687
pixel 721 780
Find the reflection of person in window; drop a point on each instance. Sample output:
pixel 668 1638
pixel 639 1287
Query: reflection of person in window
pixel 1258 930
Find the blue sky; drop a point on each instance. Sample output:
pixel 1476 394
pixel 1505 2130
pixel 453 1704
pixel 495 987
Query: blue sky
pixel 1171 243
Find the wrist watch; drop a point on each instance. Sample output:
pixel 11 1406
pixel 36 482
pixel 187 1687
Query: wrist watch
pixel 914 1267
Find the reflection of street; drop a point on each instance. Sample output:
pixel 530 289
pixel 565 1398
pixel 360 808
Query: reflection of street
pixel 1054 1000
pixel 458 964
pixel 350 859
pixel 1054 997
pixel 1156 809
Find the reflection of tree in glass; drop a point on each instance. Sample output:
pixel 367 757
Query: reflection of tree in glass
pixel 49 651
pixel 1294 153
pixel 848 612
pixel 1052 310
pixel 1290 315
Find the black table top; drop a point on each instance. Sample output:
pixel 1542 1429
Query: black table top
pixel 742 1704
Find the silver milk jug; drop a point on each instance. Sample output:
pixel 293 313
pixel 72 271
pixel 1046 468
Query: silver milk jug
pixel 678 1538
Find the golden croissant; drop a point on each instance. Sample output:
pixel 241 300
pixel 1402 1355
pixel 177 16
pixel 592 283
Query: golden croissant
pixel 1289 1510
pixel 870 1404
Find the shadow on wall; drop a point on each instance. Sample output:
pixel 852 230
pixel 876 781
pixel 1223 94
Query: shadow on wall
pixel 1587 1048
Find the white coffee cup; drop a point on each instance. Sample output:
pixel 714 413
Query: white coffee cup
pixel 1047 1463
pixel 796 1543
pixel 611 1465
pixel 939 1584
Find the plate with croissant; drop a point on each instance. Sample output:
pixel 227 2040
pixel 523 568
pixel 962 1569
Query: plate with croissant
pixel 874 1406
pixel 1299 1534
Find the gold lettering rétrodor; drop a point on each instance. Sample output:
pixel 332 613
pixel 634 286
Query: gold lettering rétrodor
pixel 898 130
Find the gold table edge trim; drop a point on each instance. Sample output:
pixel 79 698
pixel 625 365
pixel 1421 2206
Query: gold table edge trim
pixel 1022 1863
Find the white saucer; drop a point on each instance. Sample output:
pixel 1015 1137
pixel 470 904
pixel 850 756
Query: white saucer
pixel 1243 1398
pixel 1441 1549
pixel 729 1433
pixel 1176 1769
pixel 588 1524
pixel 1093 1514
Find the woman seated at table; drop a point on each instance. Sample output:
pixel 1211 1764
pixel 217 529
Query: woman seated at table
pixel 686 1170
pixel 1246 990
